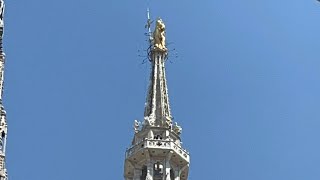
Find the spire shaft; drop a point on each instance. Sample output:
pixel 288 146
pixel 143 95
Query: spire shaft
pixel 3 119
pixel 157 109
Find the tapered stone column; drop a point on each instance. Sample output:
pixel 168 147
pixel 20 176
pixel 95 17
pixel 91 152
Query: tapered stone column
pixel 149 167
pixel 168 166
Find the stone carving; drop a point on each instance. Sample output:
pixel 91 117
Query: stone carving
pixel 177 129
pixel 3 123
pixel 136 126
pixel 3 129
pixel 159 39
pixel 148 121
pixel 168 122
pixel 6 174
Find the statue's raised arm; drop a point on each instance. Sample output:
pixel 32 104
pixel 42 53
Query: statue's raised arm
pixel 159 38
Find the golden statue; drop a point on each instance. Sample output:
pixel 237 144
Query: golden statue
pixel 159 39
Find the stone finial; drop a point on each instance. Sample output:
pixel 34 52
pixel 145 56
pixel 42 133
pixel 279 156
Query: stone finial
pixel 136 126
pixel 177 129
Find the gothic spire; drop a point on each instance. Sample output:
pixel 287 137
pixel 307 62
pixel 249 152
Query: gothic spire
pixel 157 108
pixel 156 152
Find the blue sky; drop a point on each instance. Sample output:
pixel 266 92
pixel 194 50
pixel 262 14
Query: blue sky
pixel 245 87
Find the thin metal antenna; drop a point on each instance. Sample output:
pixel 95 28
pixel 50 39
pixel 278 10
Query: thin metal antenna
pixel 148 26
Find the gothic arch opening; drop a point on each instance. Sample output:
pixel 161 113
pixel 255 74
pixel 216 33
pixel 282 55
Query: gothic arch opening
pixel 171 174
pixel 158 171
pixel 144 173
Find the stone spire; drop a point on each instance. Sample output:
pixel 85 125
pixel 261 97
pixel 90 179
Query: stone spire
pixel 156 152
pixel 3 120
pixel 157 107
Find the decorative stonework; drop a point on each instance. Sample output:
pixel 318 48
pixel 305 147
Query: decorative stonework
pixel 177 129
pixel 157 108
pixel 3 120
pixel 158 144
pixel 156 152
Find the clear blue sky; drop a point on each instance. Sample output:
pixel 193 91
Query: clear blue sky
pixel 245 87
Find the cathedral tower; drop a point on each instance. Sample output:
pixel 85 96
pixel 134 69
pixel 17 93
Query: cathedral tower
pixel 156 152
pixel 3 120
